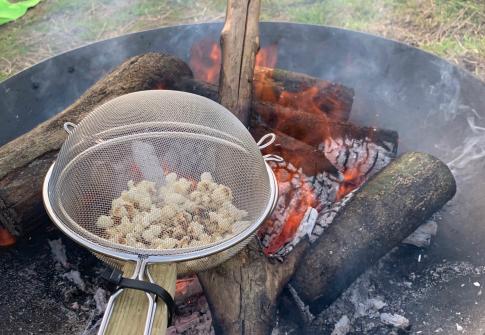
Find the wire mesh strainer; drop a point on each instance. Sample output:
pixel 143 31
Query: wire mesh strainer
pixel 146 137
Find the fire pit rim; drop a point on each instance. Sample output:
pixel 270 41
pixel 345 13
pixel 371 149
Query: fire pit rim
pixel 263 23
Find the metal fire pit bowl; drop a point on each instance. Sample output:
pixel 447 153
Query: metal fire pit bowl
pixel 435 106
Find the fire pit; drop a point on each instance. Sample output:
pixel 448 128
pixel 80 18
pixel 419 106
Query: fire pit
pixel 435 108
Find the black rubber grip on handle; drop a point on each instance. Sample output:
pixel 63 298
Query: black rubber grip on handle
pixel 115 276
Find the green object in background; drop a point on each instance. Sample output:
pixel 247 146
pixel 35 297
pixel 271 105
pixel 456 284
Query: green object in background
pixel 12 11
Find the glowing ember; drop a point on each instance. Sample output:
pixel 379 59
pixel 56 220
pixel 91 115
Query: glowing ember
pixel 352 179
pixel 297 195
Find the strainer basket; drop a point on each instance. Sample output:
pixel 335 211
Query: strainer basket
pixel 143 137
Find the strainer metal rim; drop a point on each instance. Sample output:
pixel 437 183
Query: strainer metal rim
pixel 169 258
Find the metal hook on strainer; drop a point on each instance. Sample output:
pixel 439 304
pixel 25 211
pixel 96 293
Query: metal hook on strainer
pixel 139 136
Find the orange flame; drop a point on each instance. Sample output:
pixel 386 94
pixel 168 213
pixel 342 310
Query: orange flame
pixel 352 179
pixel 267 56
pixel 205 60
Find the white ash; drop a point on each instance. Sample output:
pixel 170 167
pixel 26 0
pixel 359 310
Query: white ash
pixel 361 154
pixel 75 277
pixel 323 187
pixel 100 300
pixel 59 252
pixel 422 236
pixel 394 320
pixel 319 223
pixel 342 327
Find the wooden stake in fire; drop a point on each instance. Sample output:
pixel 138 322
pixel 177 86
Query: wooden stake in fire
pixel 239 44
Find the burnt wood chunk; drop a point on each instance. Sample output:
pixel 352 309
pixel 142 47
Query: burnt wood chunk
pixel 24 161
pixel 239 45
pixel 383 212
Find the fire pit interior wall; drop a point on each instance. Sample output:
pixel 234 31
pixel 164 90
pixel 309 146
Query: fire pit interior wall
pixel 434 106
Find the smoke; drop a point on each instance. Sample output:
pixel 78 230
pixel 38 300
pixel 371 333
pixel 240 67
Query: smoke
pixel 471 152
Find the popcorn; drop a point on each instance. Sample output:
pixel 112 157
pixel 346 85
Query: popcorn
pixel 179 214
pixel 104 221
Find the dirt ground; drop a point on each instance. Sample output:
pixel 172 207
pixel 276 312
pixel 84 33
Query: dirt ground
pixel 452 29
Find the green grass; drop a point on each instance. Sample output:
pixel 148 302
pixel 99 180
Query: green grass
pixel 449 28
pixel 352 14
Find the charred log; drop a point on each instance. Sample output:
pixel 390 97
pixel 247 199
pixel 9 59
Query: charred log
pixel 387 209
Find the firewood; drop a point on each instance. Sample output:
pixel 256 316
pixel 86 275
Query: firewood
pixel 300 154
pixel 25 160
pixel 387 209
pixel 303 93
pixel 239 44
pixel 316 129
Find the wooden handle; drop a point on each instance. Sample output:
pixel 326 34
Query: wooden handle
pixel 130 310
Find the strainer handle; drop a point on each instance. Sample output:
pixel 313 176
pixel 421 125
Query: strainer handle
pixel 125 317
pixel 273 158
pixel 266 140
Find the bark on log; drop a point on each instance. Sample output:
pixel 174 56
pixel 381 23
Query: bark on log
pixel 296 152
pixel 388 208
pixel 25 160
pixel 239 44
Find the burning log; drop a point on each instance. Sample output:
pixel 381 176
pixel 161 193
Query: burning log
pixel 25 160
pixel 317 130
pixel 303 93
pixel 373 220
pixel 319 97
